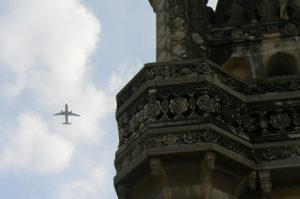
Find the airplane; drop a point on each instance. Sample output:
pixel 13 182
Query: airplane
pixel 66 113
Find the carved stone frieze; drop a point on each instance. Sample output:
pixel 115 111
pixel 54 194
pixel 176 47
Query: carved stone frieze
pixel 277 153
pixel 181 139
pixel 255 31
pixel 206 103
pixel 166 72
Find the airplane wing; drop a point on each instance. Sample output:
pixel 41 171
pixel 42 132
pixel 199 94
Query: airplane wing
pixel 61 113
pixel 74 114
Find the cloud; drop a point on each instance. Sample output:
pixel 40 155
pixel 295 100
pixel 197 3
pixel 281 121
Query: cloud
pixel 34 147
pixel 46 42
pixel 45 50
pixel 123 73
pixel 88 187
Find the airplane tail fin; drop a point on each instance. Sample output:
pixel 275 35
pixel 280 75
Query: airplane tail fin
pixel 68 123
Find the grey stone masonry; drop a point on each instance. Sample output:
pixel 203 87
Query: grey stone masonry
pixel 179 25
pixel 218 115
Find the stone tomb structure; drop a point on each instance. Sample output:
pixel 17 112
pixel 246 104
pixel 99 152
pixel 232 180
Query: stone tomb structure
pixel 218 115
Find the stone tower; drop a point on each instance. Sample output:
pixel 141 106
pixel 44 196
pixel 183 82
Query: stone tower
pixel 218 115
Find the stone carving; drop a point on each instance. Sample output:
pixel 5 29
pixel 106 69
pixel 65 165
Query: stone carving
pixel 209 161
pixel 280 120
pixel 134 122
pixel 279 153
pixel 169 140
pixel 158 170
pixel 180 32
pixel 251 31
pixel 178 105
pixel 250 122
pixel 163 32
pixel 152 109
pixel 207 136
pixel 205 103
pixel 178 29
pixel 252 177
pixel 208 166
pixel 205 68
pixel 189 138
pixel 196 107
pixel 265 183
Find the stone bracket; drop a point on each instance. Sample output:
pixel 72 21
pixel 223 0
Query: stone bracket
pixel 158 170
pixel 207 169
pixel 265 183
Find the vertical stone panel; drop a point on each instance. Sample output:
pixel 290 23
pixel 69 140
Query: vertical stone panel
pixel 162 30
pixel 179 24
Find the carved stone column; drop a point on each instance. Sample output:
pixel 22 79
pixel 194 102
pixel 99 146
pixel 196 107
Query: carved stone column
pixel 157 169
pixel 179 25
pixel 208 166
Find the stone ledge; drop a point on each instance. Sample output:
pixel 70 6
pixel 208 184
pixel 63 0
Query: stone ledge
pixel 203 70
pixel 208 139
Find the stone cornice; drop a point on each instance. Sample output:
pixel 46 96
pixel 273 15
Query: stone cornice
pixel 174 71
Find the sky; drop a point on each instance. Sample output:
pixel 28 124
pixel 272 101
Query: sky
pixel 52 52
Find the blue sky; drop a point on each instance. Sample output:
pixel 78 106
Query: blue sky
pixel 54 52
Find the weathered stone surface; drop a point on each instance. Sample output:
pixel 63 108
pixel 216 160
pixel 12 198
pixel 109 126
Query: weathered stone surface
pixel 177 21
pixel 218 117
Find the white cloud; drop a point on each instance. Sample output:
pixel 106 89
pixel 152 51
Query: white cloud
pixel 34 147
pixel 45 48
pixel 47 42
pixel 88 187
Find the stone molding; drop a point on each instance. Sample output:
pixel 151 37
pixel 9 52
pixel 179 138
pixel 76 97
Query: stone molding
pixel 194 139
pixel 197 93
pixel 172 71
pixel 252 32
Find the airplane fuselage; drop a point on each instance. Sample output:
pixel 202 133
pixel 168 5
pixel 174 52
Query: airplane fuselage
pixel 66 108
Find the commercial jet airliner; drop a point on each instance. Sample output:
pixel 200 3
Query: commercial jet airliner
pixel 66 113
